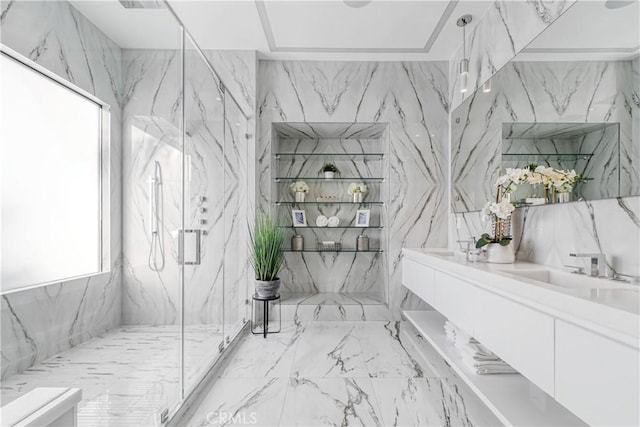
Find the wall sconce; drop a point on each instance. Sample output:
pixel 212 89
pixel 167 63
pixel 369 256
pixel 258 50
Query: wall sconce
pixel 464 63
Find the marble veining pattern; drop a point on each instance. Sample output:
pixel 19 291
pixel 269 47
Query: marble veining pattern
pixel 407 96
pixel 338 373
pixel 38 323
pixel 127 375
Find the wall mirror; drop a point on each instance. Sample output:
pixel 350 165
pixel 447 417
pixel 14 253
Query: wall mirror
pixel 570 101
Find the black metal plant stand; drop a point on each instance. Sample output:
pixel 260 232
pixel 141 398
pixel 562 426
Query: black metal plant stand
pixel 265 310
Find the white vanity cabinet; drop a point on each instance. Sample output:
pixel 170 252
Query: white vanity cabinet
pixel 456 299
pixel 596 377
pixel 593 373
pixel 521 336
pixel 418 278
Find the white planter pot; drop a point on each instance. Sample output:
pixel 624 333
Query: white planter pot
pixel 267 289
pixel 300 195
pixel 358 197
pixel 329 175
pixel 498 254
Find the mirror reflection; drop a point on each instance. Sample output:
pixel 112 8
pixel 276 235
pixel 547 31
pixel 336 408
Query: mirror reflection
pixel 569 101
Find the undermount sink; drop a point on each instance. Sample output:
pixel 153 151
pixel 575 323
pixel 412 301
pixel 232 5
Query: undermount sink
pixel 570 280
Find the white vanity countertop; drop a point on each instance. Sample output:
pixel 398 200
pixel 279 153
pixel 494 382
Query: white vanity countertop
pixel 611 312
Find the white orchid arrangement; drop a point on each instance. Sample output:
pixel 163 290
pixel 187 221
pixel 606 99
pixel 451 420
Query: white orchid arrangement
pixel 357 187
pixel 561 180
pixel 299 187
pixel 500 211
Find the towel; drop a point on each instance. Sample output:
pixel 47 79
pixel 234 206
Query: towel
pixel 486 367
pixel 496 370
pixel 478 352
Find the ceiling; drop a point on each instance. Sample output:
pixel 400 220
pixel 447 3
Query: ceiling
pixel 295 29
pixel 589 31
pixel 332 30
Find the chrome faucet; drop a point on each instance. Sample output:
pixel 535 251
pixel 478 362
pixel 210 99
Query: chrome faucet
pixel 470 243
pixel 598 264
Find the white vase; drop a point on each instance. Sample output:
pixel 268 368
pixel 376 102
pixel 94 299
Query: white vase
pixel 300 195
pixel 357 197
pixel 563 197
pixel 498 254
pixel 329 174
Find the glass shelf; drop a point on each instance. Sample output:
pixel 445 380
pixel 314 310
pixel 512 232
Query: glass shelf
pixel 372 250
pixel 528 156
pixel 378 227
pixel 336 156
pixel 352 179
pixel 329 203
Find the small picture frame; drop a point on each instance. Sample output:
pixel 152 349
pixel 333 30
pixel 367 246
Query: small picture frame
pixel 362 217
pixel 299 218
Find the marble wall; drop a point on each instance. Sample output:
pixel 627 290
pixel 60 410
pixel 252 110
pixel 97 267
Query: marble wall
pixel 505 29
pixel 41 322
pixel 411 97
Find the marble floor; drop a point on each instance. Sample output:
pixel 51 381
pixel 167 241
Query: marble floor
pixel 374 373
pixel 127 376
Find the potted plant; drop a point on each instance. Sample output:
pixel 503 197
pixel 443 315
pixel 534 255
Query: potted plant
pixel 357 190
pixel 300 189
pixel 329 170
pixel 266 255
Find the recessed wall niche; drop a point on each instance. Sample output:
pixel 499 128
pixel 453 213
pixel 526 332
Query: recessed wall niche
pixel 342 259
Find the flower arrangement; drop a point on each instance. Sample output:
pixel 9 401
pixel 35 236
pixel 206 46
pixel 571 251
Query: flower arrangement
pixel 299 187
pixel 559 180
pixel 357 187
pixel 500 211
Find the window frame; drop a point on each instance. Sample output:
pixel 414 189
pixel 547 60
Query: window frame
pixel 104 265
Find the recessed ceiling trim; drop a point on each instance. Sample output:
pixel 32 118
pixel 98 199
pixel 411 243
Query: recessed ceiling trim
pixel 440 25
pixel 266 24
pixel 582 50
pixel 268 33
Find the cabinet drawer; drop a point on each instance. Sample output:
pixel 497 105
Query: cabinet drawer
pixel 521 336
pixel 455 299
pixel 597 378
pixel 418 278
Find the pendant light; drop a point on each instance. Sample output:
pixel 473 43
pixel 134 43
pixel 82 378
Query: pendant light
pixel 464 63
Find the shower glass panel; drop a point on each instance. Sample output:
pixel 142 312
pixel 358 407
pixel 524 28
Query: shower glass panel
pixel 236 215
pixel 204 215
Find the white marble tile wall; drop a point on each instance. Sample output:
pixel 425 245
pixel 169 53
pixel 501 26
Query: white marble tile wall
pixel 547 234
pixel 497 36
pixel 39 323
pixel 411 97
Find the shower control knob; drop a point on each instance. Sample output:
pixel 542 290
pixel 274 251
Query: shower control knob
pixel 202 210
pixel 202 199
pixel 203 222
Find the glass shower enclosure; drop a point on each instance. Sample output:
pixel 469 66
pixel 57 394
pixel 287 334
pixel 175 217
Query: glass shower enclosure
pixel 180 206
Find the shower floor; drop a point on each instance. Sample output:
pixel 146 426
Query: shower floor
pixel 127 375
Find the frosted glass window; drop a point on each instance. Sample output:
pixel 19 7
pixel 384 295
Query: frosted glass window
pixel 50 145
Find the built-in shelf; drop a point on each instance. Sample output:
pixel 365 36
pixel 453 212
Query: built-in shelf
pixel 317 178
pixel 327 227
pixel 329 203
pixel 372 250
pixel 334 156
pixel 529 156
pixel 512 398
